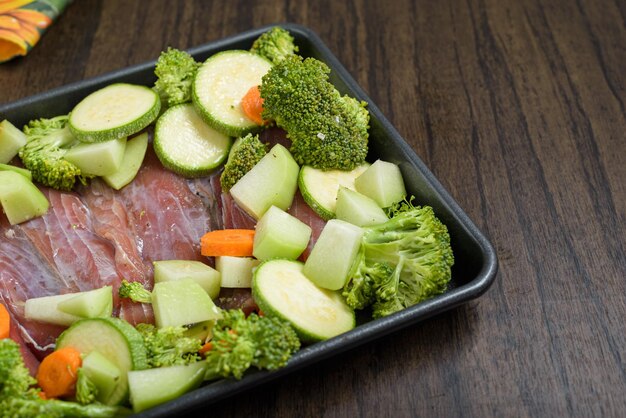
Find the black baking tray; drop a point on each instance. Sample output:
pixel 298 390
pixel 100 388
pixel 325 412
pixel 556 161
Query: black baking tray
pixel 475 259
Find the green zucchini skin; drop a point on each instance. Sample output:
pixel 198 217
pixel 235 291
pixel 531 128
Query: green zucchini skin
pixel 207 105
pixel 115 130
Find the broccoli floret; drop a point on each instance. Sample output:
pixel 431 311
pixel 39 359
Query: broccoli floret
pixel 135 292
pixel 175 71
pixel 275 45
pixel 243 155
pixel 403 261
pixel 327 130
pixel 239 343
pixel 168 346
pixel 47 143
pixel 19 399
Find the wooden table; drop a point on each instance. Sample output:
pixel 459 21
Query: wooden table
pixel 518 107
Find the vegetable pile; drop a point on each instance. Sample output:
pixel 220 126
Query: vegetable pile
pixel 375 250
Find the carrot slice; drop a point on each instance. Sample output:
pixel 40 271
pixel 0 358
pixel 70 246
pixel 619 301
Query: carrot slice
pixel 206 348
pixel 58 372
pixel 232 242
pixel 5 322
pixel 252 105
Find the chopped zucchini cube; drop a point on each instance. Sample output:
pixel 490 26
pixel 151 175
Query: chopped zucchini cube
pixel 134 154
pixel 280 235
pixel 206 276
pixel 97 303
pixel 236 271
pixel 383 182
pixel 21 200
pixel 97 159
pixel 334 253
pixel 272 181
pixel 152 387
pixel 181 302
pixel 103 373
pixel 358 209
pixel 11 140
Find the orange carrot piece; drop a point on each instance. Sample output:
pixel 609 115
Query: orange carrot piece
pixel 206 348
pixel 5 322
pixel 232 242
pixel 252 105
pixel 58 372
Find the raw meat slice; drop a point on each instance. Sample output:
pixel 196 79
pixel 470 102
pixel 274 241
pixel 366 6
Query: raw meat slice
pixel 168 217
pixel 24 274
pixel 112 221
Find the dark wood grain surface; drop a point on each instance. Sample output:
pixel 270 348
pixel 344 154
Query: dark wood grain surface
pixel 518 107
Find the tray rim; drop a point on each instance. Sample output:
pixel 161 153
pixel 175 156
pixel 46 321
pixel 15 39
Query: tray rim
pixel 225 388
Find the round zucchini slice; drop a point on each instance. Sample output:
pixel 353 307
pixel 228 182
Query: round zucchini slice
pixel 116 340
pixel 113 112
pixel 186 145
pixel 220 84
pixel 281 289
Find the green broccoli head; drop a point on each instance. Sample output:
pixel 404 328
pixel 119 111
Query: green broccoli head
pixel 47 143
pixel 240 342
pixel 169 346
pixel 175 71
pixel 243 155
pixel 276 341
pixel 135 292
pixel 275 45
pixel 404 261
pixel 15 379
pixel 327 131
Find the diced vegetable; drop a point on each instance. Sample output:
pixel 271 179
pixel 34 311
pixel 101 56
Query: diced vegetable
pixel 280 235
pixel 236 271
pixel 21 200
pixel 358 209
pixel 103 373
pixel 153 387
pixel 232 242
pixel 272 181
pixel 281 289
pixel 252 105
pixel 134 154
pixel 26 173
pixel 383 182
pixel 319 187
pixel 116 340
pixel 181 302
pixel 116 111
pixel 171 270
pixel 331 259
pixel 97 159
pixel 46 309
pixel 188 146
pixel 11 140
pixel 97 303
pixel 221 83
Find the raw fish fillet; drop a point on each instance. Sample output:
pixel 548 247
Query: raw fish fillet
pixel 112 221
pixel 24 274
pixel 168 217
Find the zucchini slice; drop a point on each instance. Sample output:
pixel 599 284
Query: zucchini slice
pixel 116 340
pixel 220 84
pixel 187 145
pixel 280 288
pixel 113 112
pixel 319 187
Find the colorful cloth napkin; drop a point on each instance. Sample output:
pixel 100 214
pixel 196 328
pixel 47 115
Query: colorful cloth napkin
pixel 22 22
